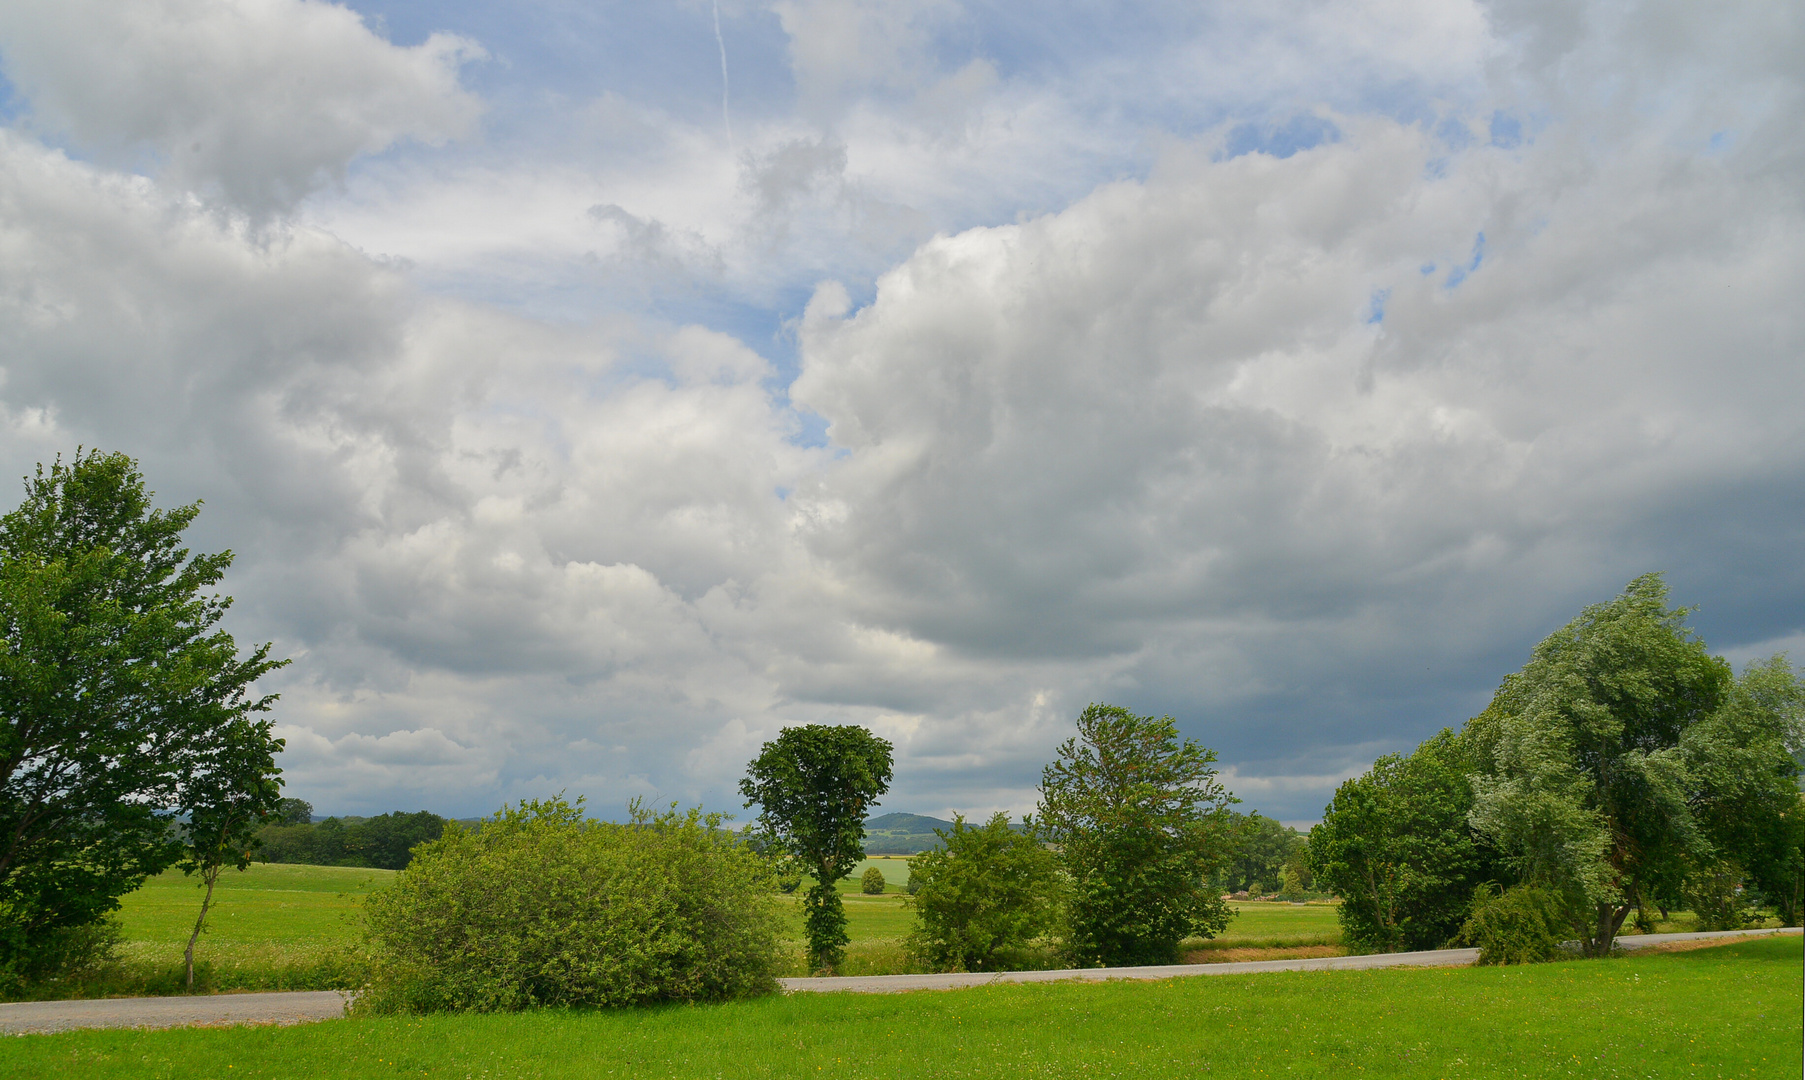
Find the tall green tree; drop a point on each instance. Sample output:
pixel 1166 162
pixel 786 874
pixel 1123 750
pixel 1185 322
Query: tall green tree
pixel 813 786
pixel 1395 845
pixel 1143 825
pixel 1584 780
pixel 1744 793
pixel 116 686
pixel 230 793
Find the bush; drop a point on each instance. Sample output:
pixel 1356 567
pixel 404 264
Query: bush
pixel 871 882
pixel 544 907
pixel 32 961
pixel 986 893
pixel 1714 895
pixel 1522 925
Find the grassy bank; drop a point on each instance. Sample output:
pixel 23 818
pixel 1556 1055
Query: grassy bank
pixel 1731 1011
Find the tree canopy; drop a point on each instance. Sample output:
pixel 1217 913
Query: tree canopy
pixel 1395 845
pixel 1624 755
pixel 118 691
pixel 1142 824
pixel 813 786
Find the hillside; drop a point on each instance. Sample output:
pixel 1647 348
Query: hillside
pixel 902 834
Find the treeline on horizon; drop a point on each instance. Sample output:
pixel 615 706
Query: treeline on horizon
pixel 383 842
pixel 1267 857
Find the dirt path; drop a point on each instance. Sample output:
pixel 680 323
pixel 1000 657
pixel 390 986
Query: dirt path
pixel 28 1017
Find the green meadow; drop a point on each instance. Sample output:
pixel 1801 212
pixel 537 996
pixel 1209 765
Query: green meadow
pixel 1728 1011
pixel 280 927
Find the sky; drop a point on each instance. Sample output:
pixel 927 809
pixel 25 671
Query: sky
pixel 590 390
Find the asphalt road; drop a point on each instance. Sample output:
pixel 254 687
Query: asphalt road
pixel 22 1017
pixel 28 1017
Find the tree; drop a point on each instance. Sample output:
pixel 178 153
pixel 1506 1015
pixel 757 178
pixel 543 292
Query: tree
pixel 813 786
pixel 1261 850
pixel 294 812
pixel 1745 770
pixel 116 685
pixel 1395 845
pixel 1585 783
pixel 228 797
pixel 872 882
pixel 1142 825
pixel 985 892
pixel 386 841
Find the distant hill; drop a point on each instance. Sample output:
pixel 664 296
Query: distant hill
pixel 902 834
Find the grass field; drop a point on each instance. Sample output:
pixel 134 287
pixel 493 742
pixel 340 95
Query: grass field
pixel 272 927
pixel 1731 1011
pixel 277 927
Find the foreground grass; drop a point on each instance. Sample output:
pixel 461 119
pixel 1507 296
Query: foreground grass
pixel 1731 1011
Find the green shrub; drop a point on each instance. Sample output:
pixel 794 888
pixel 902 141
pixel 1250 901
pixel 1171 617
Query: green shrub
pixel 982 896
pixel 1712 893
pixel 38 960
pixel 914 885
pixel 1524 924
pixel 544 907
pixel 871 882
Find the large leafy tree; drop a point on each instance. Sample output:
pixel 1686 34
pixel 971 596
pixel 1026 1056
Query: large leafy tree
pixel 1142 824
pixel 117 688
pixel 1603 761
pixel 813 786
pixel 1744 792
pixel 1395 845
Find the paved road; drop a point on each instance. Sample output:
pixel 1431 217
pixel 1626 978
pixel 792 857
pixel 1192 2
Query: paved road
pixel 21 1017
pixel 890 984
pixel 46 1016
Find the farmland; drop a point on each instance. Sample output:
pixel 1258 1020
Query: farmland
pixel 280 927
pixel 1728 1011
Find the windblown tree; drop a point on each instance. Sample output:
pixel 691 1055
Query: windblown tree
pixel 1143 825
pixel 1744 764
pixel 1619 758
pixel 117 690
pixel 813 786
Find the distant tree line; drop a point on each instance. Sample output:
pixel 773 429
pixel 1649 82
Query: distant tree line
pixel 385 842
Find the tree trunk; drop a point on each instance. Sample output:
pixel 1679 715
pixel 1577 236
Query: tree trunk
pixel 1610 920
pixel 211 874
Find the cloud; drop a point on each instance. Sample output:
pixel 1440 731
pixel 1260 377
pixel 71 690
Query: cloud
pixel 259 101
pixel 1297 414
